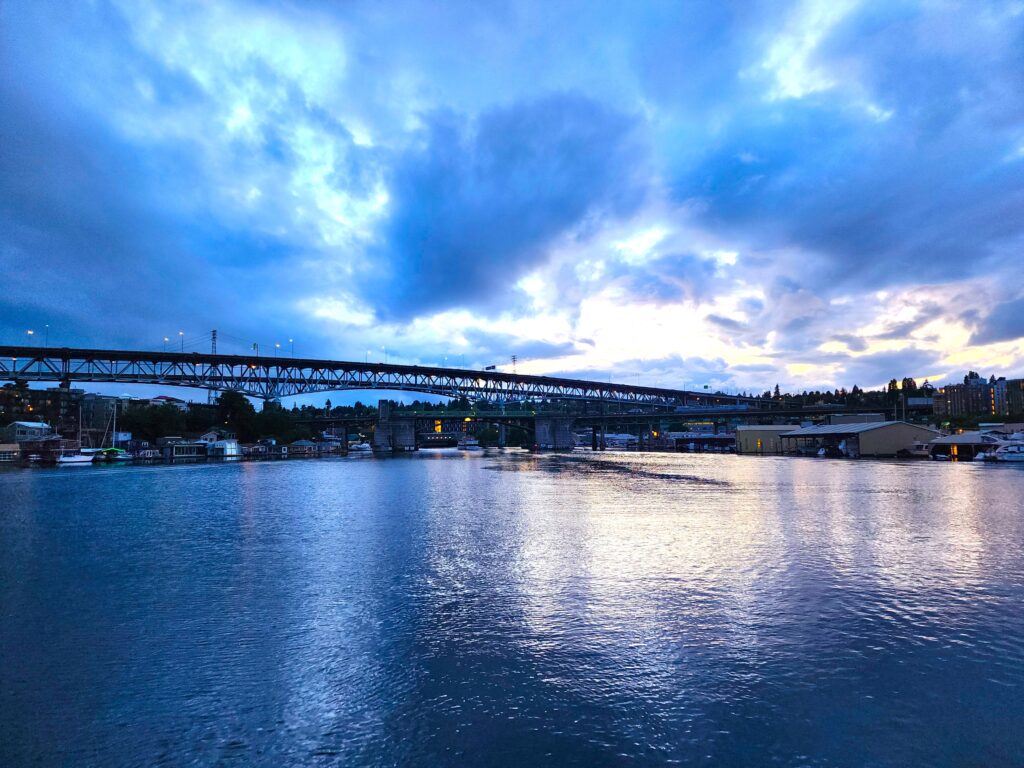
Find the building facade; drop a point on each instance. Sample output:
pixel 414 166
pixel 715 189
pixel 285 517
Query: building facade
pixel 975 397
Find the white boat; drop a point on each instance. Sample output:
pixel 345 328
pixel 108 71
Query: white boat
pixel 73 459
pixel 1009 452
pixel 468 443
pixel 359 447
pixel 69 458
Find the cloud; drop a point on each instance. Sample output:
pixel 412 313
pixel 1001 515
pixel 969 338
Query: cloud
pixel 1004 323
pixel 475 205
pixel 791 177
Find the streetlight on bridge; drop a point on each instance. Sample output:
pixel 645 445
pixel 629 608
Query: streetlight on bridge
pixel 181 335
pixel 30 333
pixel 292 343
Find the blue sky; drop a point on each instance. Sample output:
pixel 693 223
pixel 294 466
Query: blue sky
pixel 819 194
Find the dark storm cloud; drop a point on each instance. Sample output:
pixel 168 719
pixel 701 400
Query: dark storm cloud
pixel 1004 323
pixel 475 205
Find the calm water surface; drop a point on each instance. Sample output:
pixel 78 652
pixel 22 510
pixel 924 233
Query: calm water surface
pixel 509 610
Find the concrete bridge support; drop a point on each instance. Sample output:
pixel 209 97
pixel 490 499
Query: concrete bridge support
pixel 393 434
pixel 554 433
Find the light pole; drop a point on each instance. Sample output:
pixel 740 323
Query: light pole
pixel 46 334
pixel 292 343
pixel 181 335
pixel 166 339
pixel 367 356
pixel 385 355
pixel 30 334
pixel 276 348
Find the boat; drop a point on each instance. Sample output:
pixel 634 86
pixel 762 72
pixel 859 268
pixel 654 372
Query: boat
pixel 1009 452
pixel 918 450
pixel 73 458
pixel 469 443
pixel 359 447
pixel 109 455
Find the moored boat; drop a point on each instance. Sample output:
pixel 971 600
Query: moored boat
pixel 110 455
pixel 73 458
pixel 1010 452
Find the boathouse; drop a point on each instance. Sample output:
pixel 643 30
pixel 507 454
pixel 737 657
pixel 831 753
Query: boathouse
pixel 877 438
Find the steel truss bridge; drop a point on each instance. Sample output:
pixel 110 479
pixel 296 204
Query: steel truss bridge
pixel 270 378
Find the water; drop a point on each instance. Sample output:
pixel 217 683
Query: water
pixel 513 610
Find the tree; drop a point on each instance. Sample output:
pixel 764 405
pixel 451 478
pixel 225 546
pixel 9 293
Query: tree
pixel 235 412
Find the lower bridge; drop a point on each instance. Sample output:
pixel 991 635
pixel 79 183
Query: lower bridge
pixel 401 429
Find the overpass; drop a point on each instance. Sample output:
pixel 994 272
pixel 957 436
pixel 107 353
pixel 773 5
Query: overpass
pixel 270 378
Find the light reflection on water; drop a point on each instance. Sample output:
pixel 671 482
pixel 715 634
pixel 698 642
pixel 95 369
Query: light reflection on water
pixel 509 609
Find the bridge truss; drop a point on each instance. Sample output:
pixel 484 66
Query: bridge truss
pixel 272 378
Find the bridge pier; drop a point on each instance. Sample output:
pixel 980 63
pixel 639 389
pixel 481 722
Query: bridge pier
pixel 393 435
pixel 554 433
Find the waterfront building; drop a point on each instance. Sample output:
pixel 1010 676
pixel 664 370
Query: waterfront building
pixel 9 452
pixel 975 397
pixel 302 448
pixel 223 449
pixel 216 434
pixel 20 431
pixel 965 446
pixel 877 439
pixel 175 447
pixel 761 439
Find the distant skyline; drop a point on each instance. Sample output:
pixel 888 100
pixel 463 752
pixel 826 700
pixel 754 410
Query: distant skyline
pixel 815 194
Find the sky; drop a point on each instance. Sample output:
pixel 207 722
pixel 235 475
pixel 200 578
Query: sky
pixel 732 194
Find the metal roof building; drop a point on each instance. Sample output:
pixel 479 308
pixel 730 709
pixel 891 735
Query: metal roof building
pixel 876 438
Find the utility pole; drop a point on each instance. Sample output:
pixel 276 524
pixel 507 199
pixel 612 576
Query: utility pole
pixel 514 360
pixel 213 351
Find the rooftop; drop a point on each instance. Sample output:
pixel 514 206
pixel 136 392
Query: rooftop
pixel 848 429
